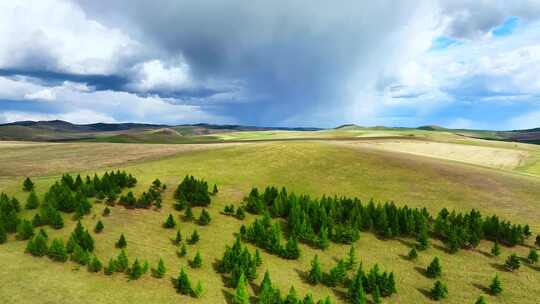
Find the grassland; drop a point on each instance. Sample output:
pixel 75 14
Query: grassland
pixel 314 167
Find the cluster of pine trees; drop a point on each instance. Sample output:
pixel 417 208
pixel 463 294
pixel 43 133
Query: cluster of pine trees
pixel 238 261
pixel 146 199
pixel 192 192
pixel 230 210
pixel 267 235
pixel 182 284
pixel 9 216
pixel 316 221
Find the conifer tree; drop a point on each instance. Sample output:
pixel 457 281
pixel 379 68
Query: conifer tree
pixel 423 238
pixel 170 222
pixel 197 261
pixel 267 293
pixel 3 233
pixel 322 240
pixel 292 297
pixel 160 270
pixel 111 267
pixel 33 201
pixel 496 249
pixel 183 251
pixel 413 254
pixel 198 291
pixel 533 256
pixel 28 185
pixel 439 291
pixel 106 211
pixel 315 275
pixel 178 237
pixel 182 283
pixel 356 293
pixel 37 246
pixel 121 243
pixel 80 255
pixel 434 270
pixel 215 190
pixel 57 222
pixel 291 251
pixel 480 300
pixel 512 262
pixel 351 261
pixel 495 287
pixel 194 237
pixel 240 213
pixel 204 218
pixel 188 214
pixel 376 295
pixel 241 295
pixel 99 227
pixel 257 258
pixel 57 251
pixel 25 230
pixel 122 262
pixel 308 299
pixel 537 240
pixel 136 270
pixel 94 265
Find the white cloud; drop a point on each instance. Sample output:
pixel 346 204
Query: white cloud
pixel 57 35
pixel 154 75
pixel 524 121
pixel 45 94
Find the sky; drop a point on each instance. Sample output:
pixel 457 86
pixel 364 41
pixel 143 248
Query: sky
pixel 453 63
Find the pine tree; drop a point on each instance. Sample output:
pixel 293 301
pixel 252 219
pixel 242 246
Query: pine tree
pixel 33 201
pixel 3 233
pixel 315 273
pixel 136 270
pixel 182 283
pixel 197 261
pixel 106 211
pixel 267 293
pixel 423 238
pixel 25 230
pixel 480 300
pixel 356 293
pixel 495 287
pixel 533 256
pixel 292 251
pixel 94 265
pixel 215 190
pixel 37 246
pixel 292 297
pixel 434 270
pixel 194 237
pixel 322 240
pixel 240 213
pixel 512 262
pixel 351 261
pixel 99 227
pixel 204 218
pixel 28 185
pixel 537 241
pixel 439 291
pixel 80 255
pixel 122 262
pixel 188 214
pixel 183 251
pixel 413 254
pixel 160 270
pixel 376 295
pixel 257 258
pixel 170 222
pixel 57 251
pixel 198 291
pixel 178 237
pixel 121 243
pixel 496 249
pixel 308 299
pixel 111 267
pixel 241 295
pixel 57 222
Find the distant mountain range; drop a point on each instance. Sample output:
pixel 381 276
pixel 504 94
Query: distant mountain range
pixel 58 130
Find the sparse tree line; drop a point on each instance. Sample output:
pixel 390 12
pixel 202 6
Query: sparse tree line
pixel 147 199
pixel 339 219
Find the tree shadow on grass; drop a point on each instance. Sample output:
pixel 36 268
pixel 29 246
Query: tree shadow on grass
pixel 481 287
pixel 404 257
pixel 421 271
pixel 441 248
pixel 340 294
pixel 484 253
pixel 303 275
pixel 229 297
pixel 499 267
pixel 407 243
pixel 426 292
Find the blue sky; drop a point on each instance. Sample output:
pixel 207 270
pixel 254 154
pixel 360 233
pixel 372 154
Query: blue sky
pixel 455 63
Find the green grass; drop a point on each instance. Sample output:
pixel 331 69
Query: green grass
pixel 313 167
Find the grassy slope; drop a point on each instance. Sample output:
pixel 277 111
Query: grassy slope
pixel 312 167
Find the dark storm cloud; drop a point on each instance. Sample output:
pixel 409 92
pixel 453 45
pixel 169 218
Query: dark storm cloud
pixel 290 55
